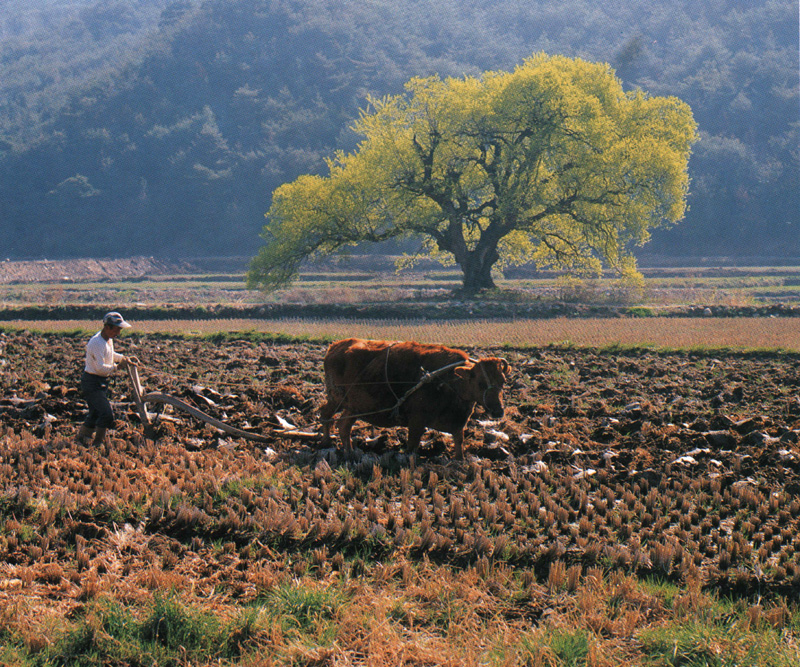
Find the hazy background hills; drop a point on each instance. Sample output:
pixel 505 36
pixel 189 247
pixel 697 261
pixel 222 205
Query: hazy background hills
pixel 160 127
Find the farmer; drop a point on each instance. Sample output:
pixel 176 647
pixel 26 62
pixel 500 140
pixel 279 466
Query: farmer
pixel 101 362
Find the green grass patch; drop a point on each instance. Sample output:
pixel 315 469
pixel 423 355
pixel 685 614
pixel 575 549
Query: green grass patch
pixel 305 610
pixel 559 646
pixel 169 633
pixel 698 644
pixel 174 626
pixel 640 311
pixel 253 336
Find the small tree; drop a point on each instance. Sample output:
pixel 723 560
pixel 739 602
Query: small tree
pixel 552 163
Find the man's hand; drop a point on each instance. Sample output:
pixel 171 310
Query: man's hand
pixel 127 361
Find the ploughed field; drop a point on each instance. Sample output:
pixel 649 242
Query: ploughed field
pixel 682 465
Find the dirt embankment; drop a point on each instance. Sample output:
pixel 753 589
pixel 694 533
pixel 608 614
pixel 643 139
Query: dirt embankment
pixel 71 270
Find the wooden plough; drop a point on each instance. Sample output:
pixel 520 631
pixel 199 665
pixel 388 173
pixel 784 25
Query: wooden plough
pixel 287 429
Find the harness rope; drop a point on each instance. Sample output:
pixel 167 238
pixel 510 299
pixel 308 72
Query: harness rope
pixel 426 377
pixel 249 383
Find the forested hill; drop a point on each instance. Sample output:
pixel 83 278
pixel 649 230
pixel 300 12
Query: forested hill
pixel 160 127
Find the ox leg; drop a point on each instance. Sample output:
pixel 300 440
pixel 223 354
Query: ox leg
pixel 345 425
pixel 326 413
pixel 458 442
pixel 415 432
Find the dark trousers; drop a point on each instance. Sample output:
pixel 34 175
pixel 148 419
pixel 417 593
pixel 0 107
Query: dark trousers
pixel 95 391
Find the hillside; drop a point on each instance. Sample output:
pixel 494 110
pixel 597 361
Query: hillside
pixel 161 128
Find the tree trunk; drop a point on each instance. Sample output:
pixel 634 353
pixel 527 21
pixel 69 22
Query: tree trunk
pixel 477 270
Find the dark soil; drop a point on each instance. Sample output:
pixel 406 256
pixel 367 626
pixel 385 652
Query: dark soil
pixel 682 465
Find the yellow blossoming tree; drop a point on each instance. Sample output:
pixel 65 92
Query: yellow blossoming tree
pixel 552 163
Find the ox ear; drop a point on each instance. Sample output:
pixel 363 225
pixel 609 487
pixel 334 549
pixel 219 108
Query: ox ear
pixel 464 372
pixel 504 366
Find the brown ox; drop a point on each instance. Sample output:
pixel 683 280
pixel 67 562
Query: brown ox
pixel 408 384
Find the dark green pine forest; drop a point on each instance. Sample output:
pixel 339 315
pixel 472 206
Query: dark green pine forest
pixel 161 127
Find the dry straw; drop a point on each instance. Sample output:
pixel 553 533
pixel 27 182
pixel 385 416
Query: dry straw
pixel 660 332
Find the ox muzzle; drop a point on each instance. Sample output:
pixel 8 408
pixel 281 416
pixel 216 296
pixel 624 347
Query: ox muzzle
pixel 492 399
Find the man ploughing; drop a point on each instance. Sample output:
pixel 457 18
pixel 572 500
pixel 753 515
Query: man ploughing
pixel 101 362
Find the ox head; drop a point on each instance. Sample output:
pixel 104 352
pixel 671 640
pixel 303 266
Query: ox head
pixel 482 382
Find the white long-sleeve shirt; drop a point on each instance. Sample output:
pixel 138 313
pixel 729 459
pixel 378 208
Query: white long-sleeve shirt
pixel 100 356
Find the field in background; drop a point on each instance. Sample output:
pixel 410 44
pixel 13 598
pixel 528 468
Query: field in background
pixel 367 283
pixel 372 280
pixel 678 332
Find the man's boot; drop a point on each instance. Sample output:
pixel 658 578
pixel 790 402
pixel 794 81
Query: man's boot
pixel 84 435
pixel 99 437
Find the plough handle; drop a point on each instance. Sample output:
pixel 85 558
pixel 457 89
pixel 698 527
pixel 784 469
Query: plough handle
pixel 154 397
pixel 133 374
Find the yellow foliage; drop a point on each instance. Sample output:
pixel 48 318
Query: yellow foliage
pixel 553 162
